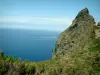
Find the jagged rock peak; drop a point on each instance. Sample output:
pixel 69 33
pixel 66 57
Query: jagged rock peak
pixel 84 12
pixel 77 35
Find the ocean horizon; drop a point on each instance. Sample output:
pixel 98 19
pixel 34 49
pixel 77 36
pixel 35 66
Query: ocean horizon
pixel 33 45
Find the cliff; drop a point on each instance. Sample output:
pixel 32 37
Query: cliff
pixel 78 35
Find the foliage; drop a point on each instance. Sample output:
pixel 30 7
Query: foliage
pixel 77 62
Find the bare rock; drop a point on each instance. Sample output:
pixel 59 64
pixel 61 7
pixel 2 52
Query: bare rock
pixel 98 24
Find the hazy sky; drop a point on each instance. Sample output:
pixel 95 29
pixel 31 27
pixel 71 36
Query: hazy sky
pixel 44 14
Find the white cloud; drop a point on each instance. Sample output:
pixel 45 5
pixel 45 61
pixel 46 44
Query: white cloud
pixel 34 20
pixel 28 22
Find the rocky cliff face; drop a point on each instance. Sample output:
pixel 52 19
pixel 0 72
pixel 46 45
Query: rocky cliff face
pixel 78 35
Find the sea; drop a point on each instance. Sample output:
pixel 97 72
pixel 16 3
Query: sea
pixel 33 45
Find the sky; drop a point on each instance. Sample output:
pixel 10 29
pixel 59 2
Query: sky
pixel 54 15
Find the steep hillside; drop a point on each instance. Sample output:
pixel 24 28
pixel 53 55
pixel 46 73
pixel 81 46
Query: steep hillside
pixel 77 35
pixel 77 52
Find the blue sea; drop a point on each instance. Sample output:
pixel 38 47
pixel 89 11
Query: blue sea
pixel 33 45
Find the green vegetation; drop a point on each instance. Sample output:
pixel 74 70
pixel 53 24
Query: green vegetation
pixel 77 62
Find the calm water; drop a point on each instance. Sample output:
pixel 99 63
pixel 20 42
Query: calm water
pixel 34 45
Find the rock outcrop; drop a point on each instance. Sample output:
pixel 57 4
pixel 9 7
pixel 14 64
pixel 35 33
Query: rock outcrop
pixel 98 24
pixel 77 36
